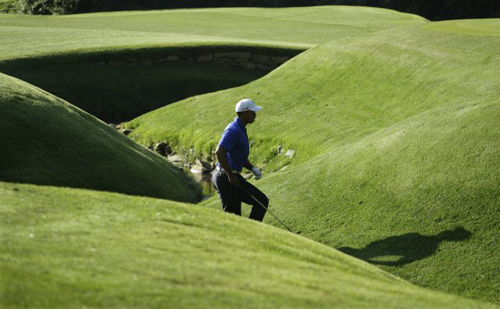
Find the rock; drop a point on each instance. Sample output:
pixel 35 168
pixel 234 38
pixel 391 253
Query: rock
pixel 163 149
pixel 279 60
pixel 234 55
pixel 225 61
pixel 112 125
pixel 127 131
pixel 175 159
pixel 250 66
pixel 241 55
pixel 280 150
pixel 265 67
pixel 260 59
pixel 290 153
pixel 201 167
pixel 284 168
pixel 196 169
pixel 117 62
pixel 168 150
pixel 204 164
pixel 206 58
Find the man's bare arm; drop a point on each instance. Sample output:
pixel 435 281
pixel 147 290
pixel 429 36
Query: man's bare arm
pixel 248 165
pixel 222 157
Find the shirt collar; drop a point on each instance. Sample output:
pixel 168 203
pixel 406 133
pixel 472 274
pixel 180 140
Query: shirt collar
pixel 241 124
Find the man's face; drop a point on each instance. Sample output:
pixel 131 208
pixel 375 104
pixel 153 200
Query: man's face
pixel 249 116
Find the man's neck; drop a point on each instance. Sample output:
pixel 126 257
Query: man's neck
pixel 243 121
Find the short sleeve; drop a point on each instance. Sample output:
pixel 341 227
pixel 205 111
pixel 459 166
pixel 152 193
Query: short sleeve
pixel 229 139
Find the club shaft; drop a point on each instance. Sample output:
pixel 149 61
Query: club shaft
pixel 267 209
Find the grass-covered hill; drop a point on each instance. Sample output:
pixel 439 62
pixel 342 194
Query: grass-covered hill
pixel 48 141
pixel 396 163
pixel 287 27
pixel 65 248
pixel 65 54
pixel 397 149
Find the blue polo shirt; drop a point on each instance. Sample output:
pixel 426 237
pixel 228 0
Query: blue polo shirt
pixel 235 141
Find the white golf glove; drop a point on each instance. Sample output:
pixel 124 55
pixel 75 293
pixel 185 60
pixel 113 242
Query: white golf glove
pixel 257 172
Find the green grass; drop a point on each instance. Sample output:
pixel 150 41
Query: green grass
pixel 397 141
pixel 75 248
pixel 117 93
pixel 48 141
pixel 483 27
pixel 29 36
pixel 59 53
pixel 397 157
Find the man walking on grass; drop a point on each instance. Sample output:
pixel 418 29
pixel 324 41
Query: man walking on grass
pixel 232 154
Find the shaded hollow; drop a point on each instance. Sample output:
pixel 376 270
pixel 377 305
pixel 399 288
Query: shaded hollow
pixel 117 86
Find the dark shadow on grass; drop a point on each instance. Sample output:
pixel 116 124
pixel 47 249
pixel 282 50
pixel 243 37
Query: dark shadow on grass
pixel 408 248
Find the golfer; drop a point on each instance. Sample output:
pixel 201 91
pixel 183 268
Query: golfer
pixel 232 154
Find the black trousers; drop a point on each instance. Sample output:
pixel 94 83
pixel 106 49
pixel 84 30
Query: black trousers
pixel 232 196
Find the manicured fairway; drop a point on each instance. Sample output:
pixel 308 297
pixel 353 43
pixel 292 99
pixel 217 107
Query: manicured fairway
pixel 73 248
pixel 483 27
pixel 394 124
pixel 62 54
pixel 25 36
pixel 396 139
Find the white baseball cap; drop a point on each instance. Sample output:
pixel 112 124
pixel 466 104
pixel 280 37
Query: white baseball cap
pixel 247 105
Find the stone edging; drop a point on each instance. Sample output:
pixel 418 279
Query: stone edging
pixel 242 59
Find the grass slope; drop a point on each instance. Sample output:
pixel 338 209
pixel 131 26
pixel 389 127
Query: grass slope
pixel 118 93
pixel 73 248
pixel 396 138
pixel 29 36
pixel 46 140
pixel 61 54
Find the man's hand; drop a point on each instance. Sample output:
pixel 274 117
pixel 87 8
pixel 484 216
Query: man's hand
pixel 234 179
pixel 222 157
pixel 257 172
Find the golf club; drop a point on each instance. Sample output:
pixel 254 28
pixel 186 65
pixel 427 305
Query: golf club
pixel 268 210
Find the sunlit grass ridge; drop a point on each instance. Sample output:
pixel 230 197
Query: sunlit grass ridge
pixel 68 248
pixel 46 140
pixel 396 142
pixel 395 133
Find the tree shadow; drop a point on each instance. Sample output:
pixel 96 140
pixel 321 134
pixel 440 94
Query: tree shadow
pixel 406 248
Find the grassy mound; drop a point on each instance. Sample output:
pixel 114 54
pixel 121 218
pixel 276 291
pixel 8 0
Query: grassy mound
pixel 75 248
pixel 486 27
pixel 118 93
pixel 46 140
pixel 62 54
pixel 397 152
pixel 35 36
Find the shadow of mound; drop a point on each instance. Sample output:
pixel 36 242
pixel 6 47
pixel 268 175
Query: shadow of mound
pixel 406 248
pixel 120 85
